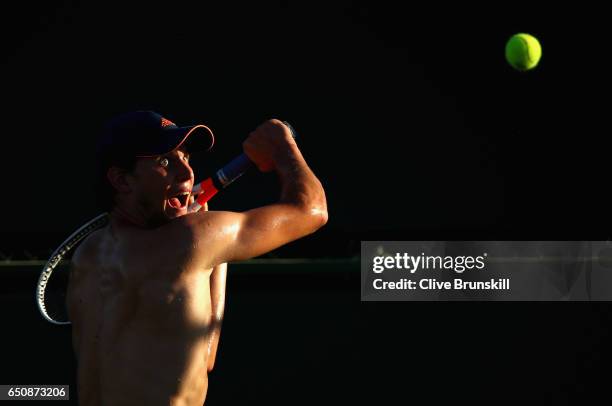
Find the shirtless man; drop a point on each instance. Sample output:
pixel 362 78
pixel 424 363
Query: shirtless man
pixel 146 292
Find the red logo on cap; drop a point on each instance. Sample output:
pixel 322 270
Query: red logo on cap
pixel 166 123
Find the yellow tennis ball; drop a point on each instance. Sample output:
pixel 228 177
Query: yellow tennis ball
pixel 523 52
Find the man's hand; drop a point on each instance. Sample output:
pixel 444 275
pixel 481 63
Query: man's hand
pixel 269 142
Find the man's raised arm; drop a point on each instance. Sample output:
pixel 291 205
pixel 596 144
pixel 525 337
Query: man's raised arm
pixel 301 210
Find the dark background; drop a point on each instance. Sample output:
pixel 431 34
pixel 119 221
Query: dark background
pixel 417 128
pixel 410 115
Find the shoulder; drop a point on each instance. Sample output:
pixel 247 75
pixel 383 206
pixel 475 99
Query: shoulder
pixel 86 258
pixel 205 235
pixel 207 223
pixel 86 253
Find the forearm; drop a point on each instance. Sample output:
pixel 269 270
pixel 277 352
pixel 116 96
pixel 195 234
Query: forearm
pixel 299 184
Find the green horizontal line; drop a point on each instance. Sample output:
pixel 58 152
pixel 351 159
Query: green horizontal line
pixel 261 261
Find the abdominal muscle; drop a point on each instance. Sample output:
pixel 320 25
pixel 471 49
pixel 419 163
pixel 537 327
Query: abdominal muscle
pixel 155 351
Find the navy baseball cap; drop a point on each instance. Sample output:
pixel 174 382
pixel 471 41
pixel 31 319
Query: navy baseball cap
pixel 143 134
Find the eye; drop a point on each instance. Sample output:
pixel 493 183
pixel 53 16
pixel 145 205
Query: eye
pixel 186 158
pixel 163 162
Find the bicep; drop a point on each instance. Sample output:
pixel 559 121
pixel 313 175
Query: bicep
pixel 239 236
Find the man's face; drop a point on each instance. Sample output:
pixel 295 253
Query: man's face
pixel 161 186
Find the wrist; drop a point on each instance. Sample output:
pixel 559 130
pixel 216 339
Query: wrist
pixel 287 156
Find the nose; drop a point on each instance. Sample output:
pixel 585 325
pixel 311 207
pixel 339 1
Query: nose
pixel 184 172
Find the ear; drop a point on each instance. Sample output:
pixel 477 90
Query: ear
pixel 118 179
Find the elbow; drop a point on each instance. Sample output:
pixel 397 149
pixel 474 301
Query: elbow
pixel 313 211
pixel 318 211
pixel 323 218
pixel 318 217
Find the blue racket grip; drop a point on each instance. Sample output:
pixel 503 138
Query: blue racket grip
pixel 238 166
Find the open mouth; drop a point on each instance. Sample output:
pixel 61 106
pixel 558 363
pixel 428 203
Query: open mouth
pixel 179 201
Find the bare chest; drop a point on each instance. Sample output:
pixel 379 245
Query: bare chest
pixel 180 301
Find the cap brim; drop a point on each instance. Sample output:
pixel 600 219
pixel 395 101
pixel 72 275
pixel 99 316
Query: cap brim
pixel 197 138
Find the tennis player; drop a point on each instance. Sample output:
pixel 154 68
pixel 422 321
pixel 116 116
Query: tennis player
pixel 147 292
